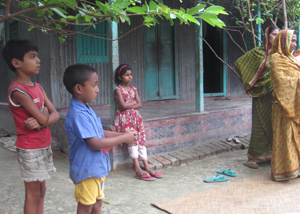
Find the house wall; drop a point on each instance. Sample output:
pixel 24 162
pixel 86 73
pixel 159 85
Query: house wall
pixel 56 56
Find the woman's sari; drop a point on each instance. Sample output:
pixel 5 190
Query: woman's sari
pixel 254 70
pixel 285 76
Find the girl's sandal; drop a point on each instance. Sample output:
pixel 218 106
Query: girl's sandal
pixel 157 175
pixel 251 164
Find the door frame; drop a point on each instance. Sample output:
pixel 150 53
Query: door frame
pixel 224 68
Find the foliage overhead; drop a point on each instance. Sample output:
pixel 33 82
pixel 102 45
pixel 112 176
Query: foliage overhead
pixel 56 15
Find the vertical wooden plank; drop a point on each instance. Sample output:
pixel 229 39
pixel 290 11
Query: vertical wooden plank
pixel 199 89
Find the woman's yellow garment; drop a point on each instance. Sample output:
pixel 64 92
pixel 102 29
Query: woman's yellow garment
pixel 285 76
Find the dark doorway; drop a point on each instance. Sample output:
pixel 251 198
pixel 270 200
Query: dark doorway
pixel 213 67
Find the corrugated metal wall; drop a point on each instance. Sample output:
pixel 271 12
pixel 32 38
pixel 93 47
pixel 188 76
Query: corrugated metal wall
pixel 63 55
pixel 131 51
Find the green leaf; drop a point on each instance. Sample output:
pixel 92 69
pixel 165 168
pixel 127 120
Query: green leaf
pixel 149 19
pixel 52 2
pixel 62 40
pixel 152 5
pixel 124 18
pixel 3 4
pixel 71 17
pixel 30 28
pixel 196 10
pixel 216 9
pixel 138 10
pixel 251 19
pixel 121 4
pixel 191 19
pixel 58 26
pixel 80 19
pixel 208 15
pixel 59 11
pixel 259 20
pixel 87 18
pixel 70 3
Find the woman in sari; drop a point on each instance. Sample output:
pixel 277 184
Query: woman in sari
pixel 285 76
pixel 254 70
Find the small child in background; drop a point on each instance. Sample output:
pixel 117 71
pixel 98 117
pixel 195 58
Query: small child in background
pixel 128 117
pixel 88 142
pixel 33 112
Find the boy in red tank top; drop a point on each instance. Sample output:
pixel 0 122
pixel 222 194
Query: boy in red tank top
pixel 33 112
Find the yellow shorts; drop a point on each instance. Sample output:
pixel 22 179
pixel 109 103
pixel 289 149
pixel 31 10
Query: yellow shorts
pixel 89 190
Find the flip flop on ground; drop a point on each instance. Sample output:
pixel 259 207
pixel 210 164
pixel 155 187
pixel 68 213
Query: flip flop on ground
pixel 216 178
pixel 157 175
pixel 251 164
pixel 145 177
pixel 228 172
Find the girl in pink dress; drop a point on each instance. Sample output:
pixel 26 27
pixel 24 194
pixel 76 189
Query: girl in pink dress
pixel 128 117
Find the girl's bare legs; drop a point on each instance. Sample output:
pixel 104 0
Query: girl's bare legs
pixel 90 209
pixel 138 171
pixel 34 197
pixel 147 168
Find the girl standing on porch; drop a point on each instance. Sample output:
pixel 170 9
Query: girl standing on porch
pixel 254 70
pixel 128 117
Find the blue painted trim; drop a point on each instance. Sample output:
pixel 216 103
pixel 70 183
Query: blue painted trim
pixel 199 87
pixel 224 66
pixel 175 60
pixel 214 94
pixel 114 63
pixel 259 26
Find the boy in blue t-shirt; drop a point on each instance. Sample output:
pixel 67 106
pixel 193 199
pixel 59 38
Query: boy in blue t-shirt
pixel 89 161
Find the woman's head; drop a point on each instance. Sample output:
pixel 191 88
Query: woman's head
pixel 285 43
pixel 273 31
pixel 120 71
pixel 293 43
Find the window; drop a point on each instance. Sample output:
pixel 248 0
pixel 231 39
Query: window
pixel 91 49
pixel 13 30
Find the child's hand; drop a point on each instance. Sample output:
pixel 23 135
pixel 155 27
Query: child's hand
pixel 130 137
pixel 135 134
pixel 32 123
pixel 45 111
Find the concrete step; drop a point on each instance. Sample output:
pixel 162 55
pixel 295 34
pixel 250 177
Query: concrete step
pixel 199 151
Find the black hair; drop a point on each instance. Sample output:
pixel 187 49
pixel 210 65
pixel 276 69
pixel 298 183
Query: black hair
pixel 77 74
pixel 124 68
pixel 16 49
pixel 272 28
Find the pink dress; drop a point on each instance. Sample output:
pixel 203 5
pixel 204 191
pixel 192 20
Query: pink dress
pixel 129 118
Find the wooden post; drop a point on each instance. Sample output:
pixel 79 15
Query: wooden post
pixel 199 93
pixel 113 64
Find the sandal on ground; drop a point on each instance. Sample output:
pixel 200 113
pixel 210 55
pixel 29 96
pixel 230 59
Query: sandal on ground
pixel 228 172
pixel 145 177
pixel 216 178
pixel 251 164
pixel 157 175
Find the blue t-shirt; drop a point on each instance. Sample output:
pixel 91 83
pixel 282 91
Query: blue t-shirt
pixel 82 123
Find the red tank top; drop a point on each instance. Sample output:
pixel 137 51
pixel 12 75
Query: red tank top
pixel 28 139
